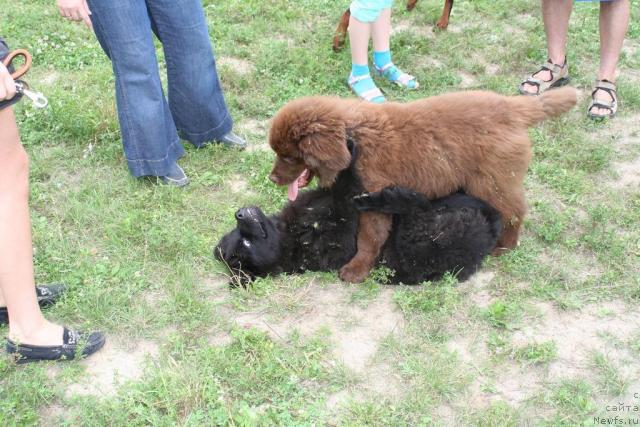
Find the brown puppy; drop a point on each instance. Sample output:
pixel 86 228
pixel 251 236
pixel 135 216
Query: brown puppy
pixel 341 30
pixel 471 141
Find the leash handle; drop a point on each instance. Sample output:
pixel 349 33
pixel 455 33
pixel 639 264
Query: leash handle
pixel 38 99
pixel 20 71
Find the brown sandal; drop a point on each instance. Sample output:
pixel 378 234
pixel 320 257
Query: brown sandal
pixel 612 106
pixel 559 77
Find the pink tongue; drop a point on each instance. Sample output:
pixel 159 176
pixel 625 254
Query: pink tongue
pixel 293 190
pixel 295 185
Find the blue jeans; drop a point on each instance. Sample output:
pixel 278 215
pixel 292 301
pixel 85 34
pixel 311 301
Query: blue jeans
pixel 196 106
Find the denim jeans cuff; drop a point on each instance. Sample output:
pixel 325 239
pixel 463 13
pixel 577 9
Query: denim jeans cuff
pixel 156 167
pixel 202 138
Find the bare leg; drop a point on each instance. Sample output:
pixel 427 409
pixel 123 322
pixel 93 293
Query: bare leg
pixel 555 14
pixel 614 20
pixel 381 31
pixel 359 34
pixel 27 325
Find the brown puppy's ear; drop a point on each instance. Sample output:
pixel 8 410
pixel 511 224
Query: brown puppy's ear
pixel 326 156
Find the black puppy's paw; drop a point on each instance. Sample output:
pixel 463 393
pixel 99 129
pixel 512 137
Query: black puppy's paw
pixel 392 200
pixel 365 202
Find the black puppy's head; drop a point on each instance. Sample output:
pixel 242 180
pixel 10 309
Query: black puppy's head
pixel 252 249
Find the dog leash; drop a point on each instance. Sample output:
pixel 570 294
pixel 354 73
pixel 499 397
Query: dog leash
pixel 37 98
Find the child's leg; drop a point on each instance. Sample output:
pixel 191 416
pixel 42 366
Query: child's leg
pixel 360 80
pixel 381 32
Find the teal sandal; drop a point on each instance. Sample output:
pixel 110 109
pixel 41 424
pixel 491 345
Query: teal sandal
pixel 395 75
pixel 364 87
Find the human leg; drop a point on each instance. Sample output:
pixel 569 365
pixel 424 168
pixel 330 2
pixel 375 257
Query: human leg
pixel 26 322
pixel 614 21
pixel 31 336
pixel 555 14
pixel 195 96
pixel 149 135
pixel 381 33
pixel 362 15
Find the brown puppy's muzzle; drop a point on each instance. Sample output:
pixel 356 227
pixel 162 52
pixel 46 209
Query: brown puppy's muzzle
pixel 284 173
pixel 276 179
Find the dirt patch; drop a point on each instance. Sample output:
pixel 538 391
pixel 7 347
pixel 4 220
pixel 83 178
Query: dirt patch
pixel 154 297
pixel 401 27
pixel 472 352
pixel 466 80
pixel 458 27
pixel 421 30
pixel 604 328
pixel 216 287
pixel 50 415
pixel 253 126
pixel 492 69
pixel 624 130
pixel 578 334
pixel 258 129
pixel 49 78
pixel 477 288
pixel 258 147
pixel 240 66
pixel 446 415
pixel 628 174
pixel 355 331
pixel 516 383
pixel 514 31
pixel 238 185
pixel 117 362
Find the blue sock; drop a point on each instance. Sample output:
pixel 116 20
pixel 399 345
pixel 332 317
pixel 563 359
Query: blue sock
pixel 359 70
pixel 380 59
pixel 363 86
pixel 392 73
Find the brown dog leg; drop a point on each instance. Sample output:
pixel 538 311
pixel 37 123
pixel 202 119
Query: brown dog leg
pixel 411 4
pixel 513 211
pixel 373 231
pixel 341 31
pixel 443 22
pixel 509 199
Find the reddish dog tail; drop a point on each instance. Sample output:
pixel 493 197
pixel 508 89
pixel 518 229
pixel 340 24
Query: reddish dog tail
pixel 551 103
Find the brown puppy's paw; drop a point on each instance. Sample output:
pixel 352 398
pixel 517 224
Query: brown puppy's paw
pixel 442 24
pixel 497 251
pixel 354 272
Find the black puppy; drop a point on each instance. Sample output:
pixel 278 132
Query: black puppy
pixel 318 231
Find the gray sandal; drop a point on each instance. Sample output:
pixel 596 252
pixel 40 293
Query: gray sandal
pixel 612 106
pixel 559 77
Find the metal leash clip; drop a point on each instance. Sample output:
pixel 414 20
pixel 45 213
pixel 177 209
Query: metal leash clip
pixel 38 99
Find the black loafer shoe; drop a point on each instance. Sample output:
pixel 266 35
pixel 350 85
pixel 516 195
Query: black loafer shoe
pixel 73 344
pixel 47 295
pixel 232 140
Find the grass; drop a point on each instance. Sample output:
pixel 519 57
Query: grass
pixel 137 260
